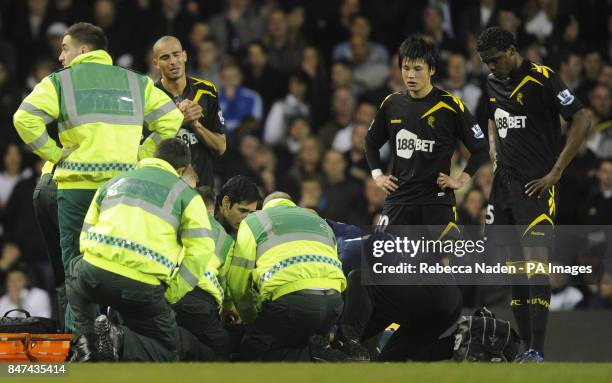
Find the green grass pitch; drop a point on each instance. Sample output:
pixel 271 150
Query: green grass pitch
pixel 337 373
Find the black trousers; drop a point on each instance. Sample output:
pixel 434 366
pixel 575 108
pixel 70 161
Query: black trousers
pixel 424 313
pixel 284 326
pixel 149 325
pixel 198 312
pixel 44 200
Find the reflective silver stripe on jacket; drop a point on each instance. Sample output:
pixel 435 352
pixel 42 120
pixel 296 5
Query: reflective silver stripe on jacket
pixel 273 239
pixel 33 110
pixel 74 119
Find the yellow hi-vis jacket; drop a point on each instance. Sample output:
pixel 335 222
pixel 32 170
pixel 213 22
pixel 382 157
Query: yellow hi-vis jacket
pixel 213 280
pixel 100 109
pixel 279 250
pixel 143 223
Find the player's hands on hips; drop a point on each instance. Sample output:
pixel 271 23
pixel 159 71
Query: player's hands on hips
pixel 447 182
pixel 387 183
pixel 191 110
pixel 541 185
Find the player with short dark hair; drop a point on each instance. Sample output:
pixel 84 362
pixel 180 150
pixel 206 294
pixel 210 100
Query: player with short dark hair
pixel 203 128
pixel 238 197
pixel 525 101
pixel 423 125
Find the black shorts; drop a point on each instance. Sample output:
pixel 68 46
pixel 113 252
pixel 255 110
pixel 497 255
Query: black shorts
pixel 442 220
pixel 533 218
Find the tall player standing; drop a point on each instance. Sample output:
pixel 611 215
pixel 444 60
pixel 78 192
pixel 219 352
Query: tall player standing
pixel 525 102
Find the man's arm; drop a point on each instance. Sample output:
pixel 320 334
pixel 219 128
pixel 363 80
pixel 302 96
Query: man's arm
pixel 197 240
pixel 215 141
pixel 570 108
pixel 39 108
pixel 579 130
pixel 162 117
pixel 475 141
pixel 492 133
pixel 375 138
pixel 240 273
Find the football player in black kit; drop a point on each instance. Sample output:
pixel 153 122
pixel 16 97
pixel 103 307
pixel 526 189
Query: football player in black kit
pixel 203 127
pixel 423 125
pixel 525 101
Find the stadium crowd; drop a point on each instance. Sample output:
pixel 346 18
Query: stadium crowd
pixel 299 83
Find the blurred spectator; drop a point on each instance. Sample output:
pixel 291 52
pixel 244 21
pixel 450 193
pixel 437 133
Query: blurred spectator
pixel 283 54
pixel 54 35
pixel 241 157
pixel 11 173
pixel 355 156
pixel 198 33
pixel 107 17
pixel 20 226
pixel 375 200
pixel 342 77
pixel 596 208
pixel 369 69
pixel 261 77
pixel 283 111
pixel 208 61
pixel 338 28
pixel 236 101
pixel 307 164
pixel 456 82
pixel 570 69
pixel 534 52
pixel 20 295
pixel 602 298
pixel 343 105
pixel 295 23
pixel 152 70
pixel 470 211
pixel 605 76
pixel 564 297
pixel 41 69
pixel 394 84
pixel 170 19
pixel 28 25
pixel 478 17
pixel 364 115
pixel 313 65
pixel 601 142
pixel 592 64
pixel 508 20
pixel 539 16
pixel 10 257
pixel 9 101
pixel 433 27
pixel 311 194
pixel 360 27
pixel 236 26
pixel 565 38
pixel 265 167
pixel 344 200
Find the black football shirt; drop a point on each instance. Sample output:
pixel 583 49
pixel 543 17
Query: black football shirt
pixel 526 108
pixel 205 94
pixel 423 135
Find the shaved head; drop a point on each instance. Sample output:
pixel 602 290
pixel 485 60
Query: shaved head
pixel 166 40
pixel 277 195
pixel 169 58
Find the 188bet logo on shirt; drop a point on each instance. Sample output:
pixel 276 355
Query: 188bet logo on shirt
pixel 407 142
pixel 187 137
pixel 504 121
